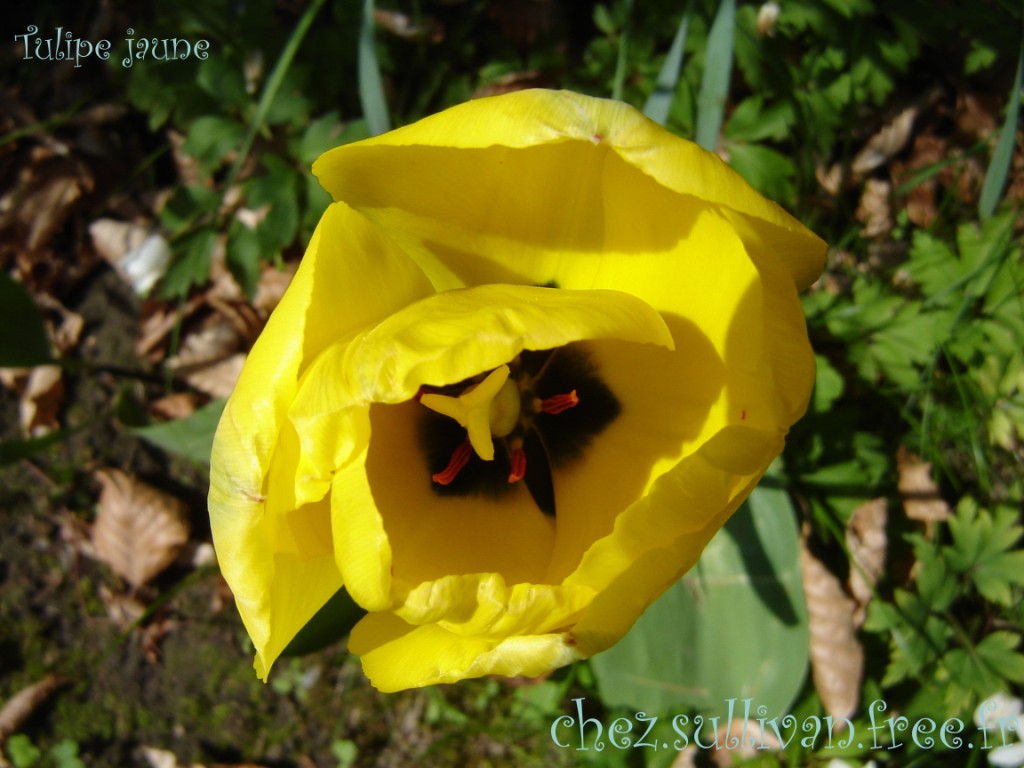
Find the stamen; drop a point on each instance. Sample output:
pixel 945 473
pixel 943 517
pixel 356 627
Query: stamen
pixel 559 403
pixel 459 459
pixel 518 465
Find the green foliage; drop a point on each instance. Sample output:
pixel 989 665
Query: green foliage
pixel 933 635
pixel 22 753
pixel 191 437
pixel 29 345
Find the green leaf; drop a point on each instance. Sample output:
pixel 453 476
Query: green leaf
pixel 734 627
pixel 659 103
pixel 224 81
pixel 243 257
pixel 981 548
pixel 828 384
pixel 329 625
pixel 212 138
pixel 769 172
pixel 320 135
pixel 714 87
pixel 999 651
pixel 65 754
pixel 22 752
pixel 371 87
pixel 999 167
pixel 192 267
pixel 191 437
pixel 24 342
pixel 982 669
pixel 751 122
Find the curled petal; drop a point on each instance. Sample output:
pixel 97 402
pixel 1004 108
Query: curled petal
pixel 273 539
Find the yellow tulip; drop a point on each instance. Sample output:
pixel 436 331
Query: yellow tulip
pixel 537 353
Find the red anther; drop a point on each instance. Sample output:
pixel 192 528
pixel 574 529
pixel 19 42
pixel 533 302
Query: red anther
pixel 460 456
pixel 518 466
pixel 559 403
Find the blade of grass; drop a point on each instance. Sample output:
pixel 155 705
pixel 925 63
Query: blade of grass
pixel 620 63
pixel 999 167
pixel 272 86
pixel 659 103
pixel 371 87
pixel 714 86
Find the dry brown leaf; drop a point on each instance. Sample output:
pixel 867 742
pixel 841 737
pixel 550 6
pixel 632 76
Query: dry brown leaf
pixel 175 406
pixel 138 530
pixel 687 758
pixel 123 610
pixel 867 541
pixel 875 210
pixel 977 115
pixel 209 359
pixel 40 391
pixel 272 285
pixel 885 144
pixel 408 27
pixel 17 709
pixel 921 498
pixel 217 379
pixel 112 239
pixel 837 659
pixel 48 197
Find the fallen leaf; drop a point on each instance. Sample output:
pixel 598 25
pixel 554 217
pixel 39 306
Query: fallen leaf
pixel 17 709
pixel 837 659
pixel 875 210
pixel 921 498
pixel 867 542
pixel 210 359
pixel 272 285
pixel 175 406
pixel 885 144
pixel 137 254
pixel 40 391
pixel 408 27
pixel 138 530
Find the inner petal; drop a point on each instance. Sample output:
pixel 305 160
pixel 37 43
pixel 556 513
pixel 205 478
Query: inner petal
pixel 432 535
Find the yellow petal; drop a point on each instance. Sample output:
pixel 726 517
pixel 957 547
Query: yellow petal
pixel 452 336
pixel 562 184
pixel 396 655
pixel 386 514
pixel 272 535
pixel 660 536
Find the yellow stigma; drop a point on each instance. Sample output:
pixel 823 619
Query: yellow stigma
pixel 488 409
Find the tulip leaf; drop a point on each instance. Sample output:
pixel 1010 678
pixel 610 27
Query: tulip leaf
pixel 999 167
pixel 24 342
pixel 659 103
pixel 734 628
pixel 191 437
pixel 328 625
pixel 714 85
pixel 371 87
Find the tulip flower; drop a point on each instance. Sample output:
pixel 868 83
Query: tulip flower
pixel 538 351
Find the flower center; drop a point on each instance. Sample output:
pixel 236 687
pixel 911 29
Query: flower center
pixel 541 410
